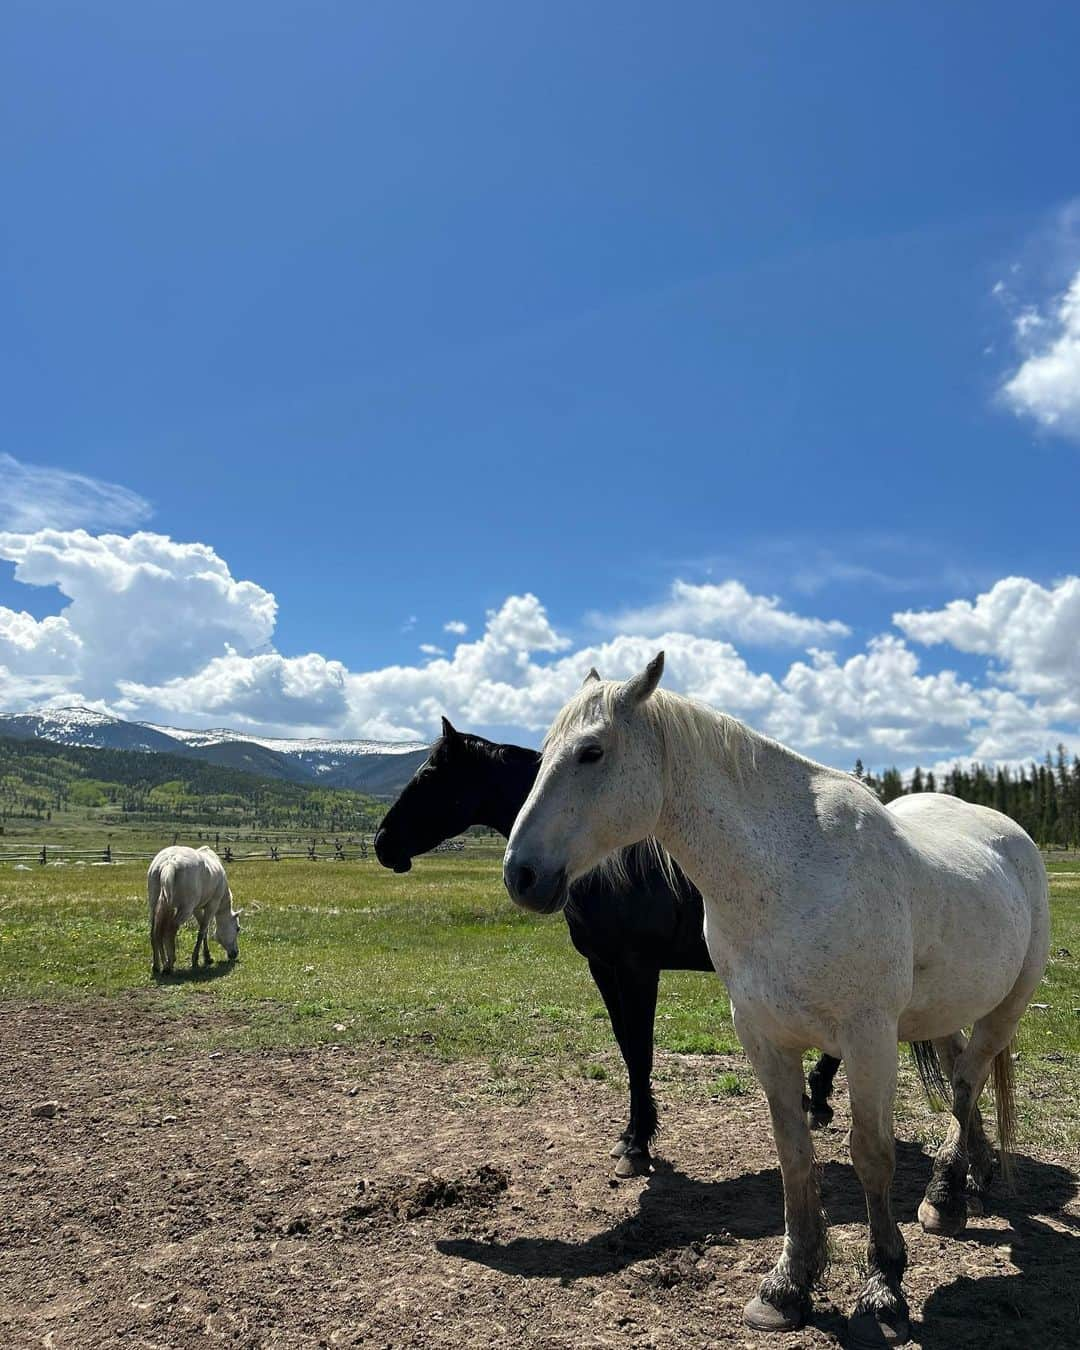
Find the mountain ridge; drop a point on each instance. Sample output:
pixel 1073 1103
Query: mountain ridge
pixel 381 768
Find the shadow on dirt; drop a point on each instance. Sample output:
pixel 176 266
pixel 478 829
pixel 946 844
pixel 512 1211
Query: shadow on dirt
pixel 1040 1306
pixel 196 975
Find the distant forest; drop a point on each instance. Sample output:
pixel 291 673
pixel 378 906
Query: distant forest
pixel 40 780
pixel 1043 798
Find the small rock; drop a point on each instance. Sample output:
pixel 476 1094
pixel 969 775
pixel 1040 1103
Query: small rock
pixel 44 1110
pixel 167 1120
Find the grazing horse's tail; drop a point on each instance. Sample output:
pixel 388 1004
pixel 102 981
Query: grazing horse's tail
pixel 937 1087
pixel 165 920
pixel 1001 1070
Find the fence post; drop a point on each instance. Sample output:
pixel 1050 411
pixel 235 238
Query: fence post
pixel 43 855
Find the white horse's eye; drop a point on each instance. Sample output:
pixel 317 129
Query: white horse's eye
pixel 589 754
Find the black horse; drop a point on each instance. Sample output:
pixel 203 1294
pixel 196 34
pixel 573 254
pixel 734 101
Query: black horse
pixel 627 933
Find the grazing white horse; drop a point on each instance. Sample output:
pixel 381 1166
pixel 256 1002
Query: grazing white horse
pixel 183 882
pixel 835 922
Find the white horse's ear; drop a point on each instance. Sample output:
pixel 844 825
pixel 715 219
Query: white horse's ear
pixel 593 677
pixel 642 686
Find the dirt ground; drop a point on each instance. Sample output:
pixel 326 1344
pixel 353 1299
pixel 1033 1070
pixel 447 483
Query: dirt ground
pixel 339 1196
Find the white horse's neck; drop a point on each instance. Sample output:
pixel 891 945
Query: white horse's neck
pixel 729 828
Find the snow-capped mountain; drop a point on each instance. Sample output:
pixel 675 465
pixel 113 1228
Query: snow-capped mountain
pixel 380 767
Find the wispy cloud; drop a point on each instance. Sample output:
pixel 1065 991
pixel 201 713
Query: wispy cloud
pixel 34 497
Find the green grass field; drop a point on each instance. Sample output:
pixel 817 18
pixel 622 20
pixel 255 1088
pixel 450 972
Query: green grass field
pixel 436 962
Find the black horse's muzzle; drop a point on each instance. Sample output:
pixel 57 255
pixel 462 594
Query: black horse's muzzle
pixel 532 886
pixel 387 855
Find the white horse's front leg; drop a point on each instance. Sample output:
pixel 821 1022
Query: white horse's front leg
pixel 783 1297
pixel 868 1046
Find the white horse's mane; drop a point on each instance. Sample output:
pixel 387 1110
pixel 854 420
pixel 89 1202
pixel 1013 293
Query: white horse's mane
pixel 681 724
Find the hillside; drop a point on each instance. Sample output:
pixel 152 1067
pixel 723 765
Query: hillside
pixel 44 783
pixel 376 767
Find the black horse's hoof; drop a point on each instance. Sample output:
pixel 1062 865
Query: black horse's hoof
pixel 761 1316
pixel 818 1114
pixel 876 1330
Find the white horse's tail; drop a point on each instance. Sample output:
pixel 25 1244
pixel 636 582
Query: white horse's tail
pixel 1001 1071
pixel 165 913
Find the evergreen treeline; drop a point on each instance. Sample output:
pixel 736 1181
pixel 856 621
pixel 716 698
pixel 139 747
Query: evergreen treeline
pixel 1043 798
pixel 39 779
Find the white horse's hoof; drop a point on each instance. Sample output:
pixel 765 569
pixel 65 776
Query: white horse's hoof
pixel 761 1316
pixel 941 1223
pixel 619 1149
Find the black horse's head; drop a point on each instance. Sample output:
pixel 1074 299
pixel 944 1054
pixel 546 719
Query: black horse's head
pixel 464 781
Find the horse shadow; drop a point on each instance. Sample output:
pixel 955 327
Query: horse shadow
pixel 676 1210
pixel 195 974
pixel 1040 1304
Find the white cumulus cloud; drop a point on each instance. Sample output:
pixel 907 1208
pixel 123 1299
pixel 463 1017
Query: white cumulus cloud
pixel 268 692
pixel 727 608
pixel 1033 631
pixel 1046 384
pixel 141 607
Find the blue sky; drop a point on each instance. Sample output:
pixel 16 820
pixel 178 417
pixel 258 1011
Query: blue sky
pixel 404 310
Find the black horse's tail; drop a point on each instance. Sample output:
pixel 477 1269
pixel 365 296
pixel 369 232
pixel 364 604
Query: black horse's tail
pixel 937 1087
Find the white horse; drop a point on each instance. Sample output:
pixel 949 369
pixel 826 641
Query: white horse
pixel 835 922
pixel 182 882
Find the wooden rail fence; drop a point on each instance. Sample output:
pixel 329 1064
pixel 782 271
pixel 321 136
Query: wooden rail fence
pixel 53 854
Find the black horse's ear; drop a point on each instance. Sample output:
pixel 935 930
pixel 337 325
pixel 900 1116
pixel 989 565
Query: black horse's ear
pixel 449 734
pixel 593 676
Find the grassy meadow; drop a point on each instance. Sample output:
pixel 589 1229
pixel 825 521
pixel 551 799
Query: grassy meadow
pixel 438 962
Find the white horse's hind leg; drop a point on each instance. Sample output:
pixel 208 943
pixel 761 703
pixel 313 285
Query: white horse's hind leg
pixel 944 1207
pixel 783 1298
pixel 980 1154
pixel 869 1054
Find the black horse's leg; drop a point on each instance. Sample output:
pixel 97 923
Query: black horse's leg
pixel 820 1082
pixel 607 981
pixel 637 989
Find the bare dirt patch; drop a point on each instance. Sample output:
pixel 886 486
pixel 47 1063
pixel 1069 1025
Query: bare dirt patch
pixel 341 1197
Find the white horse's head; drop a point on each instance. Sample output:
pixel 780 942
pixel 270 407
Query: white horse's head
pixel 600 788
pixel 227 928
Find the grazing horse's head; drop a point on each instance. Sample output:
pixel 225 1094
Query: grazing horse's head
pixel 442 799
pixel 227 928
pixel 599 789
